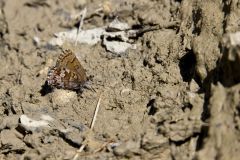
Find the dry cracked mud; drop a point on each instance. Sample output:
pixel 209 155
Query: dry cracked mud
pixel 176 96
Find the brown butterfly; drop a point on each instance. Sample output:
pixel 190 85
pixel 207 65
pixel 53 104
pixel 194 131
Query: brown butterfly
pixel 68 73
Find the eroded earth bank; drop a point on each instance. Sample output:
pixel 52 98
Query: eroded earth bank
pixel 173 94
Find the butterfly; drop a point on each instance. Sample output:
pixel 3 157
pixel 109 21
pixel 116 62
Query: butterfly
pixel 68 73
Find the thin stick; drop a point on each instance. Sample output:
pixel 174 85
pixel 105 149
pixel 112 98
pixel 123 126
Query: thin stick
pixel 83 15
pixel 79 151
pixel 95 113
pixel 91 127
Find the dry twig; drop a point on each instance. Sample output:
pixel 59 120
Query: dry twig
pixel 91 127
pixel 83 15
pixel 95 113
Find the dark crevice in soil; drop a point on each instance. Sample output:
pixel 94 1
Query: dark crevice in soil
pixel 188 105
pixel 145 63
pixel 187 66
pixel 114 39
pixel 212 78
pixel 28 144
pixel 17 151
pixel 69 141
pixel 8 104
pixel 21 130
pixel 226 10
pixel 179 143
pixel 152 109
pixel 203 134
pixel 206 112
pixel 227 70
pixel 6 111
pixel 197 15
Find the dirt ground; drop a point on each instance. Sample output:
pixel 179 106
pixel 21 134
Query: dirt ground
pixel 175 96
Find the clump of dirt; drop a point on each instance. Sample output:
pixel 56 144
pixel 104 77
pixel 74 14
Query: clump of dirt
pixel 175 96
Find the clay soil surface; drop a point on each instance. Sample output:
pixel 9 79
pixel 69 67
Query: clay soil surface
pixel 176 95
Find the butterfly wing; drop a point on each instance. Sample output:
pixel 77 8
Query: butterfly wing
pixel 68 72
pixel 69 61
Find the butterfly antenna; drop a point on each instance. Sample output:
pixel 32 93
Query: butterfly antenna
pixel 82 15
